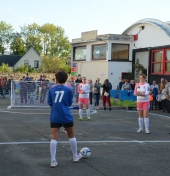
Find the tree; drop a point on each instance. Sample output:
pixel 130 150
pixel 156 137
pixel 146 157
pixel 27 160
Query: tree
pixel 6 31
pixel 54 42
pixel 32 37
pixel 17 44
pixel 54 64
pixel 138 68
pixel 4 68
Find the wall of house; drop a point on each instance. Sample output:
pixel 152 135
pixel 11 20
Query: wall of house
pixel 93 70
pixel 32 56
pixel 149 37
pixel 115 70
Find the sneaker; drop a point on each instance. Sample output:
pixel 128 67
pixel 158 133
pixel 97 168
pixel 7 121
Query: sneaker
pixel 80 119
pixel 147 131
pixel 79 156
pixel 139 131
pixel 88 118
pixel 53 164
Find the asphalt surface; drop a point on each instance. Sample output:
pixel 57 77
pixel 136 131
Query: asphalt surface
pixel 117 150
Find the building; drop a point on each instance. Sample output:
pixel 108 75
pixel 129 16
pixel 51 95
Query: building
pixel 113 56
pixel 30 58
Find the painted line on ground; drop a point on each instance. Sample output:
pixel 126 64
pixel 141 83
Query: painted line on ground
pixel 67 142
pixel 153 114
pixel 94 112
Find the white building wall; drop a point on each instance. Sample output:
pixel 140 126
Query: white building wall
pixel 31 56
pixel 115 70
pixel 93 70
pixel 149 37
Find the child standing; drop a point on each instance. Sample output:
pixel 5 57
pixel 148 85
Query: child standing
pixel 159 100
pixel 60 99
pixel 151 100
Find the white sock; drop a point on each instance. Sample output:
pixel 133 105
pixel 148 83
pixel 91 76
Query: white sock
pixel 81 113
pixel 53 148
pixel 73 144
pixel 140 121
pixel 88 112
pixel 146 121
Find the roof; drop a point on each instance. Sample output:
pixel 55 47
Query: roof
pixel 162 25
pixel 11 60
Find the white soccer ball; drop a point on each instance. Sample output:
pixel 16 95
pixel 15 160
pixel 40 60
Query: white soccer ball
pixel 85 152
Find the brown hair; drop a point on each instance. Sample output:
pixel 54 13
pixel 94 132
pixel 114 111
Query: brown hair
pixel 143 75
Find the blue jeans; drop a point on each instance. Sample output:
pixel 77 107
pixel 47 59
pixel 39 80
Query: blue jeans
pixel 4 92
pixel 96 99
pixel 31 97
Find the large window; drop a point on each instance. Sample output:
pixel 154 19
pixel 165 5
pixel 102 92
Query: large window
pixel 120 52
pixel 36 64
pixel 79 53
pixel 26 62
pixel 160 61
pixel 99 52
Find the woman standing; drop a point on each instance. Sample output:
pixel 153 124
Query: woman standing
pixel 106 94
pixel 142 90
pixel 96 93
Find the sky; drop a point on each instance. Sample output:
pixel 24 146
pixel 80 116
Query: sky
pixel 76 16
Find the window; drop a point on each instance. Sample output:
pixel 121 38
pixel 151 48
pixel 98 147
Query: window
pixel 79 53
pixel 99 52
pixel 167 62
pixel 160 61
pixel 120 52
pixel 26 62
pixel 36 64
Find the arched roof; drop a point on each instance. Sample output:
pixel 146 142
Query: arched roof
pixel 162 25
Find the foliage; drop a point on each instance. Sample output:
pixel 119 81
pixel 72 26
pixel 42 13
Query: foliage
pixel 25 69
pixel 138 68
pixel 5 36
pixel 4 68
pixel 54 64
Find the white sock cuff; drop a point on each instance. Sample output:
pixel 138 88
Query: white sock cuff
pixel 72 139
pixel 53 141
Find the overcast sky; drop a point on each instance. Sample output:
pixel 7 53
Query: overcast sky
pixel 76 16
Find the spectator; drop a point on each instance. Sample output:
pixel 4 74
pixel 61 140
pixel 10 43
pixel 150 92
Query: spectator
pixel 4 86
pixel 44 88
pixel 167 93
pixel 38 87
pixel 96 93
pixel 121 83
pixel 23 90
pixel 27 78
pixel 154 88
pixel 151 100
pixel 1 79
pixel 132 84
pixel 31 87
pixel 161 85
pixel 106 94
pixel 126 86
pixel 79 79
pixel 91 93
pixel 159 100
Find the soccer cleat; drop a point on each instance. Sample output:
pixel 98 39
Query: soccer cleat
pixel 147 131
pixel 140 131
pixel 53 164
pixel 88 118
pixel 80 119
pixel 79 156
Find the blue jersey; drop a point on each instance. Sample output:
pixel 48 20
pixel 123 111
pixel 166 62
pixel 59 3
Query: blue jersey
pixel 60 99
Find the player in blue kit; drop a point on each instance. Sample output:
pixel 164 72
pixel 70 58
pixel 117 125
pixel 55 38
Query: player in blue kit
pixel 60 99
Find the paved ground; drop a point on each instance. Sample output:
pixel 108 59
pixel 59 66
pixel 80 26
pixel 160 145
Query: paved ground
pixel 117 150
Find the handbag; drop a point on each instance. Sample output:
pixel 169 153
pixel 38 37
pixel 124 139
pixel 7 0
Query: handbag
pixel 163 97
pixel 106 94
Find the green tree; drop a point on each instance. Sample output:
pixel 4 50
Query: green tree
pixel 17 44
pixel 54 41
pixel 31 36
pixel 4 68
pixel 6 31
pixel 54 64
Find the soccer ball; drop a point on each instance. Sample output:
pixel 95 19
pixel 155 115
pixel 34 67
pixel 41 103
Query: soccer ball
pixel 85 152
